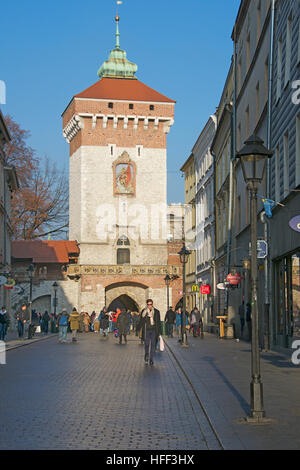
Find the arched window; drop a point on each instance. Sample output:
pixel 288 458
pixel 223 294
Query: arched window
pixel 123 241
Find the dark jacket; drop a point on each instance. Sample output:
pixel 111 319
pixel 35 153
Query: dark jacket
pixel 170 317
pixel 122 323
pixel 157 324
pixel 104 320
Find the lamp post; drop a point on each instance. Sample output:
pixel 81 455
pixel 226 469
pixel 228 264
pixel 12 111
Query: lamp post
pixel 167 280
pixel 30 271
pixel 55 287
pixel 253 157
pixel 184 254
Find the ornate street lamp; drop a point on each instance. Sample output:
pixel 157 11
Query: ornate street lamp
pixel 184 255
pixel 30 271
pixel 167 280
pixel 55 287
pixel 253 157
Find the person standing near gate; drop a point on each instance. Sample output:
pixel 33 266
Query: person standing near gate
pixel 150 321
pixel 62 322
pixel 195 322
pixel 74 320
pixel 170 321
pixel 3 323
pixel 122 325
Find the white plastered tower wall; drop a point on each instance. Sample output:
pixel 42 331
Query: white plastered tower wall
pixel 93 203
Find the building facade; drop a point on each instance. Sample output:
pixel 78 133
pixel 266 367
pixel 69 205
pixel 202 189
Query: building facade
pixel 205 220
pixel 252 40
pixel 188 170
pixel 285 175
pixel 8 184
pixel 222 151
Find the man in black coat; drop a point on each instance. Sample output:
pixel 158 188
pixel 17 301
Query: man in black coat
pixel 122 325
pixel 150 321
pixel 169 321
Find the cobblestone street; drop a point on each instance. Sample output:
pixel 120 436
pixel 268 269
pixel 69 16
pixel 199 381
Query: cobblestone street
pixel 97 394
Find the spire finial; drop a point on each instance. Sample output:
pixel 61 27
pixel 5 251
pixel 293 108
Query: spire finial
pixel 119 2
pixel 117 65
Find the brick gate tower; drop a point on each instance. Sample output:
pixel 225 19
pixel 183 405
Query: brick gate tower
pixel 117 130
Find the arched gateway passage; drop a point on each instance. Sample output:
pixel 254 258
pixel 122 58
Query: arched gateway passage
pixel 129 295
pixel 124 302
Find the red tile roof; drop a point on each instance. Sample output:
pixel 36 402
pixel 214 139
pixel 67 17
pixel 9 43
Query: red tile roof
pixel 40 251
pixel 123 89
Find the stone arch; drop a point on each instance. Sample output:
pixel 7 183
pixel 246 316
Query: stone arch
pixel 136 292
pixel 124 302
pixel 42 303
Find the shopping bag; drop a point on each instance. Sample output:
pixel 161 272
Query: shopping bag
pixel 38 329
pixel 161 344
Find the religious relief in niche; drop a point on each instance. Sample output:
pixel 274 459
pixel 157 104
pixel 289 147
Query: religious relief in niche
pixel 124 176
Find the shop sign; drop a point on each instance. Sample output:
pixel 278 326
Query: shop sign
pixel 206 289
pixel 234 279
pixel 295 223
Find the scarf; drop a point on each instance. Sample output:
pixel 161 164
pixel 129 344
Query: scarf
pixel 150 314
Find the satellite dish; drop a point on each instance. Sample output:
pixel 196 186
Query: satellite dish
pixel 3 280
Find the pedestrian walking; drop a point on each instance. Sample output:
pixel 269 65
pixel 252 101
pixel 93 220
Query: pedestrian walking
pixel 97 324
pixel 150 322
pixel 114 320
pixel 53 323
pixel 45 322
pixel 122 325
pixel 242 317
pixel 248 320
pixel 3 323
pixel 86 322
pixel 74 320
pixel 135 317
pixel 129 320
pixel 93 318
pixel 170 319
pixel 195 322
pixel 110 321
pixel 62 322
pixel 104 322
pixel 178 323
pixel 20 324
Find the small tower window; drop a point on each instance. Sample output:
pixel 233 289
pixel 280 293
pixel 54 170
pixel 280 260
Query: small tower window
pixel 110 105
pixel 123 241
pixel 123 256
pixel 151 107
pixel 131 106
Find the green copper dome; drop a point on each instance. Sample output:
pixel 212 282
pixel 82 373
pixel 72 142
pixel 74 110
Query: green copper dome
pixel 117 65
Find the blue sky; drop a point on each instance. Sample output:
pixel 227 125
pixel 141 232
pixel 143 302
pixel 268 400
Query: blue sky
pixel 52 50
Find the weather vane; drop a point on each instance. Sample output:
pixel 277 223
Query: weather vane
pixel 119 2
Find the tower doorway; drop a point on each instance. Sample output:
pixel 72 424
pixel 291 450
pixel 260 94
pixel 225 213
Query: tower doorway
pixel 124 302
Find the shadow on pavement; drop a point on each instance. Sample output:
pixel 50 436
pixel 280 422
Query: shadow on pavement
pixel 244 404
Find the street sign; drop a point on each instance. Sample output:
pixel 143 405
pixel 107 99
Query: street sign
pixel 234 279
pixel 262 249
pixel 221 286
pixel 206 289
pixel 295 223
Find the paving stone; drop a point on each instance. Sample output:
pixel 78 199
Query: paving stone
pixel 98 395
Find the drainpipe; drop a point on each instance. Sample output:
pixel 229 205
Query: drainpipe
pixel 268 320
